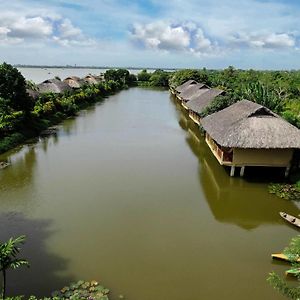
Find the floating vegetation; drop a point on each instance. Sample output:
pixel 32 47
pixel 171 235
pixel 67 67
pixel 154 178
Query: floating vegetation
pixel 285 191
pixel 82 290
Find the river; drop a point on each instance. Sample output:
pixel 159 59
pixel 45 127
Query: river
pixel 128 194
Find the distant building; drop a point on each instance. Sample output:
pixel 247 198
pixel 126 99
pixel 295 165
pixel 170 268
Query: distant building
pixel 179 89
pixel 53 86
pixel 74 82
pixel 93 79
pixel 200 102
pixel 191 92
pixel 249 134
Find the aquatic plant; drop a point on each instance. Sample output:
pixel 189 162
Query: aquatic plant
pixel 293 254
pixel 286 191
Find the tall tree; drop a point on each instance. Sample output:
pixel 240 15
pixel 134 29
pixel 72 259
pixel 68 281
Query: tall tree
pixel 13 88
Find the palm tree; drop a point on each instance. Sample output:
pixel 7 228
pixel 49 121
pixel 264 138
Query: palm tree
pixel 8 258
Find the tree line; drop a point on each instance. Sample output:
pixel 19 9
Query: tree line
pixel 22 117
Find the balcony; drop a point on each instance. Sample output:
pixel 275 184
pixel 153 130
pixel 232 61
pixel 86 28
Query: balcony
pixel 223 155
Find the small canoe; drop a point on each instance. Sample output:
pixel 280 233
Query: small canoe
pixel 291 219
pixel 281 256
pixel 293 272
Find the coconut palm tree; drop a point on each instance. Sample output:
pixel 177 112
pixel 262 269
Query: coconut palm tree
pixel 8 258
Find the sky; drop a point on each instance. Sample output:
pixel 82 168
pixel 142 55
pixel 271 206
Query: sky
pixel 258 34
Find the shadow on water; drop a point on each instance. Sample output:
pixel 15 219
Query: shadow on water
pixel 245 203
pixel 43 275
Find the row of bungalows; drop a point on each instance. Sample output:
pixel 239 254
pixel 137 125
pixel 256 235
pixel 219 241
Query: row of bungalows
pixel 243 134
pixel 58 86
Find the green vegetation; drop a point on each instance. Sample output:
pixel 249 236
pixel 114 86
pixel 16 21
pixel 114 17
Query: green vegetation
pixel 80 290
pixel 286 191
pixel 8 259
pixel 158 78
pixel 21 117
pixel 293 254
pixel 277 90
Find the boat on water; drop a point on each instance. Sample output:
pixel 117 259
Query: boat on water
pixel 293 272
pixel 281 256
pixel 291 219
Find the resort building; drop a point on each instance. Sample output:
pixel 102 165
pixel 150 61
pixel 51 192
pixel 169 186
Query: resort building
pixel 191 92
pixel 198 103
pixel 92 79
pixel 182 87
pixel 74 82
pixel 249 134
pixel 53 86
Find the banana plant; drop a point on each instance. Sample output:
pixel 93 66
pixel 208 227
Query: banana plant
pixel 8 258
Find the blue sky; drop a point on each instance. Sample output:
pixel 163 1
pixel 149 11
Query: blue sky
pixel 261 34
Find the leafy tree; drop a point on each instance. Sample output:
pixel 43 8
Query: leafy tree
pixel 263 95
pixel 159 78
pixel 219 103
pixel 143 76
pixel 8 258
pixel 184 75
pixel 13 88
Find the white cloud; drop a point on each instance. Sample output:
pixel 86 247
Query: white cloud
pixel 19 27
pixel 263 40
pixel 168 36
pixel 30 27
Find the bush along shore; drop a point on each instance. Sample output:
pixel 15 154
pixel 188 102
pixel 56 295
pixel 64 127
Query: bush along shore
pixel 27 109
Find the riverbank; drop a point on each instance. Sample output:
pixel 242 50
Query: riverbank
pixel 19 123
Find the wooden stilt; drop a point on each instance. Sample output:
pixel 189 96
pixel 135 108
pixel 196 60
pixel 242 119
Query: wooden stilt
pixel 232 171
pixel 242 171
pixel 287 171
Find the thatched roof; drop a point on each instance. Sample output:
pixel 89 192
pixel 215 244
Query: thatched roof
pixel 32 93
pixel 53 86
pixel 246 124
pixel 74 82
pixel 199 102
pixel 183 86
pixel 92 79
pixel 192 90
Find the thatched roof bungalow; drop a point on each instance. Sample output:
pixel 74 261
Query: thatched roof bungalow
pixel 53 86
pixel 92 79
pixel 198 103
pixel 33 93
pixel 179 89
pixel 191 92
pixel 74 82
pixel 249 134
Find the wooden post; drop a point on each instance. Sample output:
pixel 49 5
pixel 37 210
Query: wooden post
pixel 242 171
pixel 232 171
pixel 287 171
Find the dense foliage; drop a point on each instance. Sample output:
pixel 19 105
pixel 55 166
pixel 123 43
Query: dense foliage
pixel 158 78
pixel 277 90
pixel 293 254
pixel 22 117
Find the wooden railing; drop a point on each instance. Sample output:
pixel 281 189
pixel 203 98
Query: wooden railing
pixel 225 157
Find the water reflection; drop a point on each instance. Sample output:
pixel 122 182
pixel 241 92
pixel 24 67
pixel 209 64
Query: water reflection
pixel 46 268
pixel 21 169
pixel 232 200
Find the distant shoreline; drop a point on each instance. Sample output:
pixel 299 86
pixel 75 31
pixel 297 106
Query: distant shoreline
pixel 89 67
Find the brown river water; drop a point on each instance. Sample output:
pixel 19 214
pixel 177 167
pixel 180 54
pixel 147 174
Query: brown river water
pixel 128 194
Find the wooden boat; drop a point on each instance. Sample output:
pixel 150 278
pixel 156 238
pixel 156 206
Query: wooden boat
pixel 283 257
pixel 293 272
pixel 291 219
